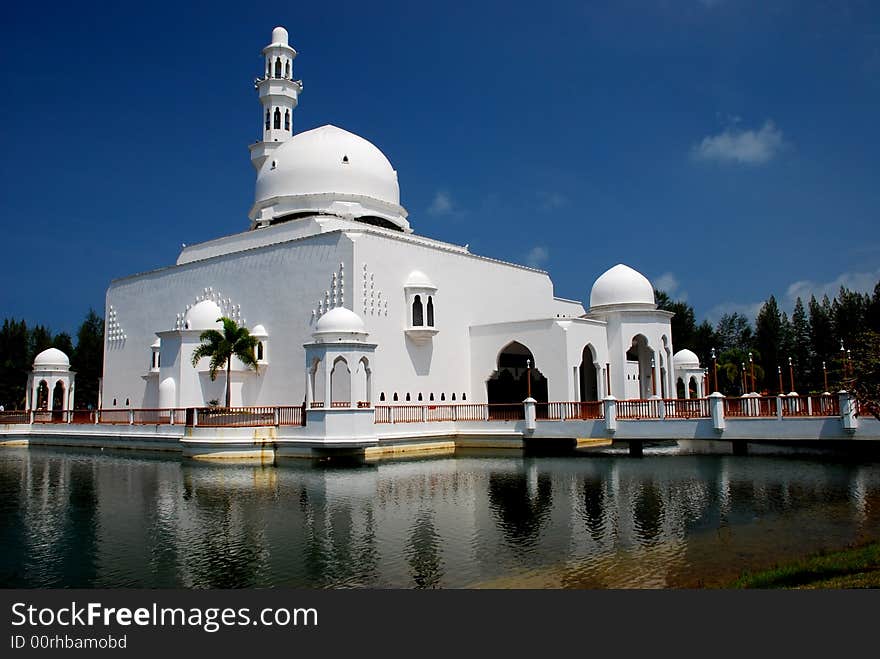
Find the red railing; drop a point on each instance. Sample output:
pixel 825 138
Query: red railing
pixel 383 414
pixel 826 405
pixel 340 403
pixel 362 404
pixel 570 411
pixel 686 408
pixel 234 417
pixel 471 412
pixel 506 412
pixel 158 417
pixel 316 404
pixel 407 413
pixel 639 409
pixel 750 407
pixel 15 416
pixel 113 416
pixel 291 416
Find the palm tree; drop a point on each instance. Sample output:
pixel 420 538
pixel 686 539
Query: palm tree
pixel 221 347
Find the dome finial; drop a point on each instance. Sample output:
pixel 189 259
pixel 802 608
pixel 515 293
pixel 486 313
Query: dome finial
pixel 279 36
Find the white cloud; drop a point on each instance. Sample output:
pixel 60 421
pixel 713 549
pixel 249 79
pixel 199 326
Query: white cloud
pixel 747 309
pixel 862 282
pixel 442 204
pixel 750 147
pixel 667 282
pixel 551 201
pixel 537 256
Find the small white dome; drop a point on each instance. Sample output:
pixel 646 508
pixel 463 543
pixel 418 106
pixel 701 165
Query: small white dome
pixel 685 358
pixel 279 36
pixel 203 316
pixel 340 324
pixel 331 171
pixel 157 343
pixel 51 359
pixel 621 285
pixel 418 279
pixel 259 331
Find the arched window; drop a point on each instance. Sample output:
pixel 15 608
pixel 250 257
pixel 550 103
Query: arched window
pixel 407 397
pixel 287 69
pixel 114 402
pixel 278 67
pixel 127 402
pixel 382 396
pixel 395 397
pixel 453 395
pixel 418 318
pixel 260 351
pixel 464 396
pixel 442 396
pixel 277 118
pixel 431 397
pixel 430 311
pixel 268 118
pixel 420 397
pixel 287 120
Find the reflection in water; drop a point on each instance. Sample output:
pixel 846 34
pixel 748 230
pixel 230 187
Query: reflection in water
pixel 105 519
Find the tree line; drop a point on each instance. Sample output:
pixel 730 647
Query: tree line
pixel 811 337
pixel 20 344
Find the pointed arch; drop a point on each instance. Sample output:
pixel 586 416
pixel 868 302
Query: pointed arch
pixel 277 119
pixel 277 67
pixel 287 69
pixel 430 311
pixel 287 120
pixel 589 374
pixel 340 383
pixel 509 383
pixel 268 118
pixel 418 314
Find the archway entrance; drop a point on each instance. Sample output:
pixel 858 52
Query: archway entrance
pixel 42 396
pixel 641 356
pixel 509 383
pixel 589 375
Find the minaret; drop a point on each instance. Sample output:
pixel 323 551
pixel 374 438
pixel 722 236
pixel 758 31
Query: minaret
pixel 279 94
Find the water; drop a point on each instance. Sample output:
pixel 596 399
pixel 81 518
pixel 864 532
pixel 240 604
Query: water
pixel 71 518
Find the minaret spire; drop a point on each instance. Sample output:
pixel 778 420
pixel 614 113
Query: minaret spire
pixel 279 94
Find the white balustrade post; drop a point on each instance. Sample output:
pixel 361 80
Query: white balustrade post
pixel 424 414
pixel 130 416
pixel 848 412
pixel 171 416
pixel 275 417
pixel 779 404
pixel 809 405
pixel 195 416
pixel 610 403
pixel 391 414
pixel 716 408
pixel 531 416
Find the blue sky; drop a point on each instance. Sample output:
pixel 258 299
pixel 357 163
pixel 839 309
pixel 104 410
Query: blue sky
pixel 727 149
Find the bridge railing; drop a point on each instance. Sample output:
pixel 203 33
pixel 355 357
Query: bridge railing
pixel 750 407
pixel 570 410
pixel 236 417
pixel 686 408
pixel 633 410
pixel 15 416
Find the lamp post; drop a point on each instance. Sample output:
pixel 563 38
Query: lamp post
pixel 825 376
pixel 842 359
pixel 705 382
pixel 743 378
pixel 849 368
pixel 791 374
pixel 715 368
pixel 779 372
pixel 752 366
pixel 528 378
pixel 653 383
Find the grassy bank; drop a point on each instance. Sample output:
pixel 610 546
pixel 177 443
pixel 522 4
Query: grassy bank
pixel 856 567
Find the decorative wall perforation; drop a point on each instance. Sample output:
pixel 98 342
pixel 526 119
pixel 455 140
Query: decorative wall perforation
pixel 375 304
pixel 334 296
pixel 229 309
pixel 116 336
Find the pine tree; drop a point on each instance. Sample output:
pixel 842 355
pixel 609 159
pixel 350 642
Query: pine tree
pixel 801 349
pixel 770 340
pixel 88 359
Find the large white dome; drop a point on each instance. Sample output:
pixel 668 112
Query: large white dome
pixel 51 359
pixel 328 170
pixel 622 286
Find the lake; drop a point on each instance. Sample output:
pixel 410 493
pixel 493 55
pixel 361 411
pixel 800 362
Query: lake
pixel 77 518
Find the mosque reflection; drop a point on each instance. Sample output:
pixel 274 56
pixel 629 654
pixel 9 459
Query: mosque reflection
pixel 78 519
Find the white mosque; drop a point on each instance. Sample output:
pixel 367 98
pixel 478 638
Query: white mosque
pixel 353 309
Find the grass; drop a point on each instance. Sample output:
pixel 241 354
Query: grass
pixel 856 567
